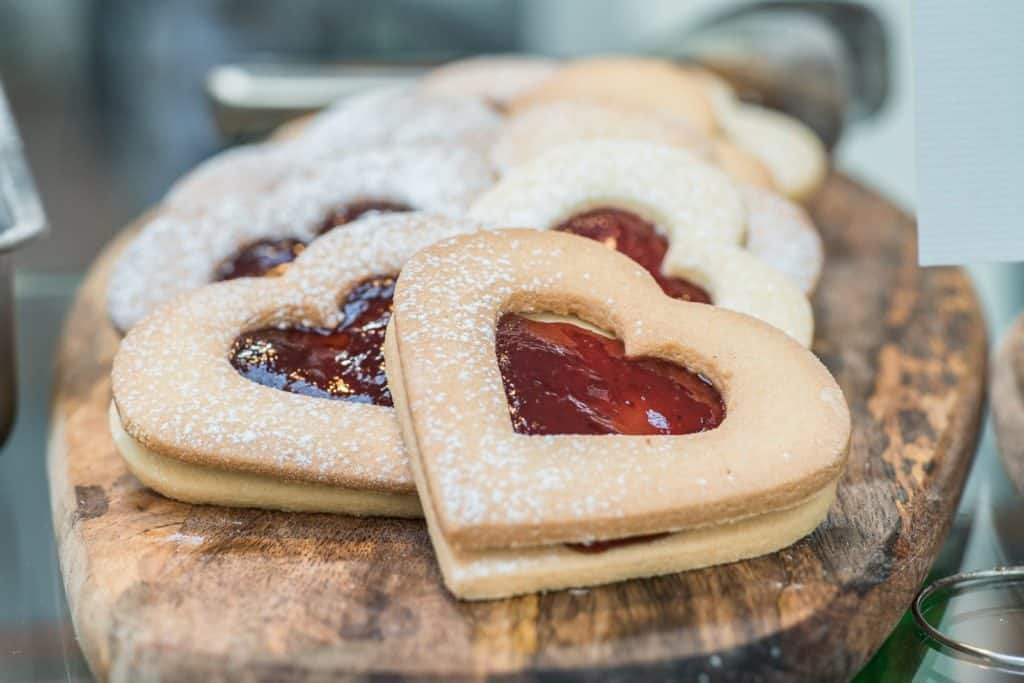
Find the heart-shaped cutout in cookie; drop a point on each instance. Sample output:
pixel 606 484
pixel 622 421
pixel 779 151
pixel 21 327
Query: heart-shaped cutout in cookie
pixel 783 442
pixel 682 219
pixel 561 378
pixel 193 428
pixel 638 239
pixel 344 362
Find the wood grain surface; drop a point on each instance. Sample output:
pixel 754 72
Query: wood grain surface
pixel 1008 401
pixel 161 590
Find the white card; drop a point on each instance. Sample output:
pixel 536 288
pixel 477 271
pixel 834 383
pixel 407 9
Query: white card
pixel 969 83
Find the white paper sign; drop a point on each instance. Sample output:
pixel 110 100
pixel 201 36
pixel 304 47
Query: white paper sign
pixel 969 86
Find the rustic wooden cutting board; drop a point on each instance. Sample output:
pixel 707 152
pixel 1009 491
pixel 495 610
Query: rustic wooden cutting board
pixel 161 590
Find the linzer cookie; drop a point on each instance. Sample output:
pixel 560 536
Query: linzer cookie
pixel 380 118
pixel 679 217
pixel 790 150
pixel 497 79
pixel 721 437
pixel 536 129
pixel 177 251
pixel 271 392
pixel 634 82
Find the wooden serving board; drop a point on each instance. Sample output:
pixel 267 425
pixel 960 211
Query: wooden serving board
pixel 161 590
pixel 1008 401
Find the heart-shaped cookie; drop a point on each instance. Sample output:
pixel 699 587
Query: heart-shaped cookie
pixel 634 82
pixel 387 117
pixel 499 503
pixel 498 79
pixel 191 426
pixel 697 213
pixel 536 129
pixel 789 149
pixel 177 251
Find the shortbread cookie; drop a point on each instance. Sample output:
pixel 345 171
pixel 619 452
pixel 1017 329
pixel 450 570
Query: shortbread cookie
pixel 250 170
pixel 535 130
pixel 178 251
pixel 679 217
pixel 387 117
pixel 741 165
pixel 498 79
pixel 191 426
pixel 740 458
pixel 790 150
pixel 781 234
pixel 399 116
pixel 635 82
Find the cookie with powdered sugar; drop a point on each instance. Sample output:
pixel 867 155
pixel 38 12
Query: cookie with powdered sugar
pixel 206 408
pixel 678 216
pixel 498 79
pixel 179 250
pixel 384 117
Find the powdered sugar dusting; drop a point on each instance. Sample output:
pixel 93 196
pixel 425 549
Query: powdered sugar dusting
pixel 179 249
pixel 178 395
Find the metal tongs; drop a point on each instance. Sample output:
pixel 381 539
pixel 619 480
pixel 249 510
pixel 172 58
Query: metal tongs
pixel 21 220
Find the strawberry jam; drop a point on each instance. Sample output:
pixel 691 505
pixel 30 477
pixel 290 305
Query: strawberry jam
pixel 637 239
pixel 562 379
pixel 601 546
pixel 266 257
pixel 363 207
pixel 271 257
pixel 346 362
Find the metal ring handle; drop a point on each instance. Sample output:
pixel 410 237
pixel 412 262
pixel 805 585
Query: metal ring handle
pixel 1007 575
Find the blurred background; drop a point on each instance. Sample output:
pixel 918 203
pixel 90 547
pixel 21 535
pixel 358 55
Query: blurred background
pixel 110 101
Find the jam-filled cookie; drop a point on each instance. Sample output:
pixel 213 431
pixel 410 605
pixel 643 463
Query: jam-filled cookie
pixel 789 149
pixel 271 392
pixel 633 82
pixel 721 437
pixel 536 129
pixel 679 217
pixel 498 79
pixel 250 236
pixel 385 117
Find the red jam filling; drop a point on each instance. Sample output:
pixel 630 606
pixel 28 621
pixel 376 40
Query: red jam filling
pixel 562 379
pixel 266 257
pixel 364 207
pixel 346 362
pixel 637 239
pixel 601 546
pixel 271 257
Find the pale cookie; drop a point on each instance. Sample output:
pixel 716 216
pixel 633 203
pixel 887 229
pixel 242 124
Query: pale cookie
pixel 699 211
pixel 177 251
pixel 681 193
pixel 535 130
pixel 249 170
pixel 740 165
pixel 498 79
pixel 499 503
pixel 377 118
pixel 790 150
pixel 398 116
pixel 193 428
pixel 634 82
pixel 780 233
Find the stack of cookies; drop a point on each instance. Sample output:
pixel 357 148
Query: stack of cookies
pixel 560 310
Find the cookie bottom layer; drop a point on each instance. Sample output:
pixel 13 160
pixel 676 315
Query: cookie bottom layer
pixel 206 485
pixel 492 574
pixel 481 575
